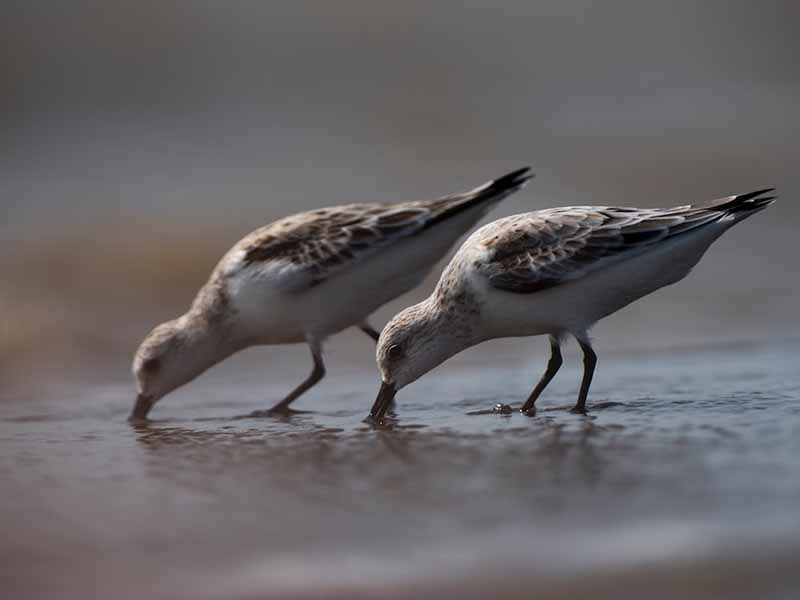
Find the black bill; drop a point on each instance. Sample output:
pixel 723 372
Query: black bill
pixel 383 401
pixel 141 408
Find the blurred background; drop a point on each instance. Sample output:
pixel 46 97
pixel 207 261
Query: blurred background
pixel 141 139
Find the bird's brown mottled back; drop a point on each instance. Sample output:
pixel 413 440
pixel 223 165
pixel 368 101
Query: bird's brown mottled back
pixel 538 250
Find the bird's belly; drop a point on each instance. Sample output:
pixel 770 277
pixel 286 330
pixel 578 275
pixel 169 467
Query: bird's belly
pixel 352 295
pixel 576 305
pixel 265 315
pixel 269 315
pixel 348 300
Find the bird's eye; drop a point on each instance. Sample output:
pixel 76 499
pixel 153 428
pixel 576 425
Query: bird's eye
pixel 394 352
pixel 151 365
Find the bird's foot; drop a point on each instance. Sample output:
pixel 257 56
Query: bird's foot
pixel 277 411
pixel 136 421
pixel 382 423
pixel 497 409
pixel 602 405
pixel 528 412
pixel 579 410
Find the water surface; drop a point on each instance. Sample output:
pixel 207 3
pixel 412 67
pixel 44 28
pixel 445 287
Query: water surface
pixel 688 487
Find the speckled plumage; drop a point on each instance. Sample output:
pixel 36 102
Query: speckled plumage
pixel 306 277
pixel 534 251
pixel 551 272
pixel 316 244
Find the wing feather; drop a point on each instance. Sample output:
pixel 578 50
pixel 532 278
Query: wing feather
pixel 536 251
pixel 310 247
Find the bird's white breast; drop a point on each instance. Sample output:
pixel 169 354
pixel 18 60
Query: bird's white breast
pixel 274 306
pixel 577 305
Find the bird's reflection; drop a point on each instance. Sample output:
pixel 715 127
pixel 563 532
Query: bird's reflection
pixel 553 446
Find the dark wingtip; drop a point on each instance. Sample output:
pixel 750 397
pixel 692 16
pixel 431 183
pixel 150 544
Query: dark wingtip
pixel 752 195
pixel 491 191
pixel 741 202
pixel 512 180
pixel 751 202
pixel 762 202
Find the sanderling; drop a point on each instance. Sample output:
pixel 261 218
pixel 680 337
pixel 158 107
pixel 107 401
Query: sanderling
pixel 305 277
pixel 556 272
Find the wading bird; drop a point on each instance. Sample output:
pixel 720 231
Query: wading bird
pixel 550 272
pixel 304 278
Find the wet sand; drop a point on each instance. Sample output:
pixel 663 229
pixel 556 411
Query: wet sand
pixel 688 487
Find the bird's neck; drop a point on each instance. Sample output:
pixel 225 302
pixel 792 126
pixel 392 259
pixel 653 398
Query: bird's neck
pixel 206 342
pixel 455 320
pixel 456 309
pixel 210 322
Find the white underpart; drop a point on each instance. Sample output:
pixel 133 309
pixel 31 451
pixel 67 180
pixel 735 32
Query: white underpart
pixel 270 312
pixel 575 306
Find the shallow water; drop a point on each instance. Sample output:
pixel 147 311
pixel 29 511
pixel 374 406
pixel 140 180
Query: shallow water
pixel 688 487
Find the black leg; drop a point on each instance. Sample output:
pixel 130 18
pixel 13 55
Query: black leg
pixel 317 373
pixel 367 328
pixel 589 362
pixel 553 365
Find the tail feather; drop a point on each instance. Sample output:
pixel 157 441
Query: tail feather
pixel 754 204
pixel 491 191
pixel 502 186
pixel 507 183
pixel 742 202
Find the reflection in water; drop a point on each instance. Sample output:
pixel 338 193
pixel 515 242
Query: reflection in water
pixel 657 474
pixel 514 461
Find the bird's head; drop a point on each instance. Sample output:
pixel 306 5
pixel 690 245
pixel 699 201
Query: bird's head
pixel 171 355
pixel 155 366
pixel 418 339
